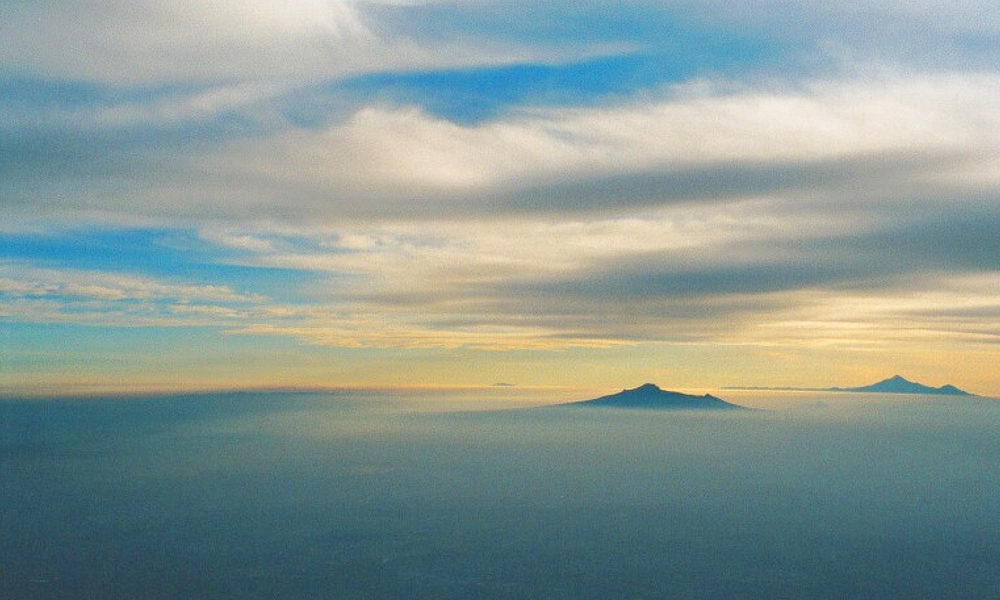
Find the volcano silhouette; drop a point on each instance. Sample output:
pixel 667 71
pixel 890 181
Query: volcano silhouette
pixel 650 396
pixel 899 385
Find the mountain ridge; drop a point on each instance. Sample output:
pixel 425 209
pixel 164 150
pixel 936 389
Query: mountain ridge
pixel 900 385
pixel 891 385
pixel 649 396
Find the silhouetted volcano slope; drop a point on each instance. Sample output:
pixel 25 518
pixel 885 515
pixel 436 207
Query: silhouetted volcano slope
pixel 650 396
pixel 899 385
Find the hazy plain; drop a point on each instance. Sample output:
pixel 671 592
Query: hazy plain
pixel 384 496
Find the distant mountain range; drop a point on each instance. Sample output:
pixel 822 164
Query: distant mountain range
pixel 892 385
pixel 650 396
pixel 899 385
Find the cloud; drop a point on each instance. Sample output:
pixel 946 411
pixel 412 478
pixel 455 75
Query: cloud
pixel 151 43
pixel 828 187
pixel 396 161
pixel 892 140
pixel 733 274
pixel 32 294
pixel 24 280
pixel 145 41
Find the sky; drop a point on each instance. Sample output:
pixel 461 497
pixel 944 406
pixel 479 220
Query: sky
pixel 217 194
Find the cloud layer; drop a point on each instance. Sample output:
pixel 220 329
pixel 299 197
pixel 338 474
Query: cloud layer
pixel 891 141
pixel 479 175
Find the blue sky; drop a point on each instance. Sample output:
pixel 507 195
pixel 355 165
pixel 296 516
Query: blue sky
pixel 698 194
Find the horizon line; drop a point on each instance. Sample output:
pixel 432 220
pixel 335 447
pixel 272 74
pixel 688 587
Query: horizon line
pixel 209 390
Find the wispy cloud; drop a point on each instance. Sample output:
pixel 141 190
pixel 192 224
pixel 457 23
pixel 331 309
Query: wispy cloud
pixel 731 274
pixel 18 279
pixel 149 43
pixel 894 140
pixel 51 295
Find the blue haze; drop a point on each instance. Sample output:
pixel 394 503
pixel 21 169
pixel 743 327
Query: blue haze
pixel 335 496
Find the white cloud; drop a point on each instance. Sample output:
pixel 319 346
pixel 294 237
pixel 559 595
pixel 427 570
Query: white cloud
pixel 143 42
pixel 155 41
pixel 886 144
pixel 955 309
pixel 22 280
pixel 402 162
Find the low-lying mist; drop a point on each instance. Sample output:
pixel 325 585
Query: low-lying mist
pixel 305 495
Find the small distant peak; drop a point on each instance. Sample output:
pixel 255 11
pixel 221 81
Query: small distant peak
pixel 898 379
pixel 648 387
pixel 953 391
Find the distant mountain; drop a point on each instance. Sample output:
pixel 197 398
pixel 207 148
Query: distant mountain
pixel 899 385
pixel 649 396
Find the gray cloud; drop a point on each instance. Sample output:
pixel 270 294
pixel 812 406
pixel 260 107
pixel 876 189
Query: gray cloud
pixel 888 142
pixel 863 176
pixel 896 254
pixel 905 275
pixel 625 319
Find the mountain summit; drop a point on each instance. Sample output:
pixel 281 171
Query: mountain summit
pixel 650 396
pixel 899 385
